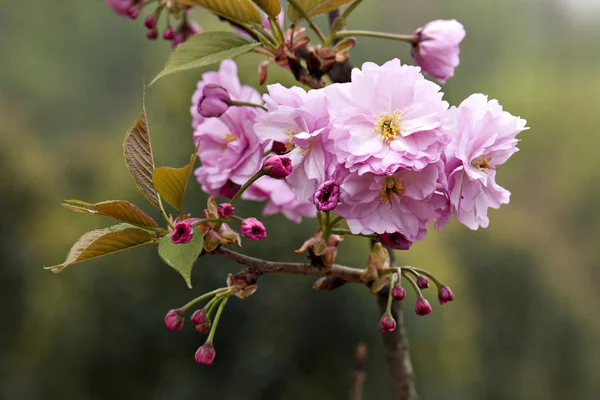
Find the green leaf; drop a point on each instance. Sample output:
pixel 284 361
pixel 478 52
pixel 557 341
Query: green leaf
pixel 101 242
pixel 205 49
pixel 182 256
pixel 118 209
pixel 271 7
pixel 138 157
pixel 171 182
pixel 314 7
pixel 236 10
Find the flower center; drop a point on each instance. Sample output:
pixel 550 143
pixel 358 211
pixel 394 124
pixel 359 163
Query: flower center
pixel 390 188
pixel 230 138
pixel 388 126
pixel 289 146
pixel 482 163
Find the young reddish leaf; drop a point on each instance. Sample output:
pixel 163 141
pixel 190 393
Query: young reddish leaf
pixel 101 242
pixel 118 209
pixel 314 7
pixel 171 182
pixel 138 157
pixel 235 10
pixel 182 256
pixel 271 7
pixel 205 49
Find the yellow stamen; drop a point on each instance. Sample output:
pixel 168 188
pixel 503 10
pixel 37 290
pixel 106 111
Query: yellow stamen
pixel 482 163
pixel 289 146
pixel 390 188
pixel 230 138
pixel 388 126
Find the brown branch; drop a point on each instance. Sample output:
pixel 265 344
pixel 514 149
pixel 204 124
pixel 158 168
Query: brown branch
pixel 265 267
pixel 358 376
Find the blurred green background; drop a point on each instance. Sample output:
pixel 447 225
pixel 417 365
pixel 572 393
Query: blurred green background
pixel 526 320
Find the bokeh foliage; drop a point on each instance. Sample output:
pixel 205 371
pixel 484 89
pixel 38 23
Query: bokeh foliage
pixel 526 320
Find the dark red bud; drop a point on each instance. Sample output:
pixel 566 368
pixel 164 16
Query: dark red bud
pixel 422 282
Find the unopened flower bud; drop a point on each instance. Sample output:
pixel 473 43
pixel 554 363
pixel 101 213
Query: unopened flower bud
pixel 168 34
pixel 279 148
pixel 445 295
pixel 225 210
pixel 398 292
pixel 150 21
pixel 422 307
pixel 199 317
pixel 133 13
pixel 229 189
pixel 388 323
pixel 174 319
pixel 277 167
pixel 205 354
pixel 182 233
pixel 327 195
pixel 214 101
pixel 395 241
pixel 203 327
pixel 253 229
pixel 422 282
pixel 152 34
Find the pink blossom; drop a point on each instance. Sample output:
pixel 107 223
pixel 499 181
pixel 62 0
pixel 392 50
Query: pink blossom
pixel 183 232
pixel 436 48
pixel 388 323
pixel 174 319
pixel 445 295
pixel 123 7
pixel 398 292
pixel 483 137
pixel 422 307
pixel 214 101
pixel 226 77
pixel 401 202
pixel 277 166
pixel 327 195
pixel 388 117
pixel 300 121
pixel 205 354
pixel 281 199
pixel 253 229
pixel 225 210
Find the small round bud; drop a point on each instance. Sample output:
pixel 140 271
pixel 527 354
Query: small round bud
pixel 182 233
pixel 133 13
pixel 199 317
pixel 229 189
pixel 168 33
pixel 398 292
pixel 253 229
pixel 445 295
pixel 152 34
pixel 279 148
pixel 395 241
pixel 203 327
pixel 150 21
pixel 225 210
pixel 327 195
pixel 388 323
pixel 174 319
pixel 214 101
pixel 422 307
pixel 205 354
pixel 277 167
pixel 422 282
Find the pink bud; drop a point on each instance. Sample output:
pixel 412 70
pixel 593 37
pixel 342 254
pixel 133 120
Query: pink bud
pixel 168 34
pixel 398 292
pixel 327 196
pixel 214 101
pixel 395 241
pixel 152 34
pixel 277 167
pixel 422 307
pixel 279 148
pixel 203 327
pixel 225 210
pixel 183 233
pixel 445 295
pixel 205 354
pixel 150 21
pixel 174 319
pixel 133 13
pixel 253 229
pixel 229 189
pixel 388 323
pixel 199 317
pixel 422 282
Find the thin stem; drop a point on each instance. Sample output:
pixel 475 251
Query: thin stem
pixel 336 221
pixel 213 327
pixel 163 212
pixel 390 298
pixel 427 274
pixel 327 226
pixel 264 39
pixel 304 15
pixel 203 297
pixel 351 8
pixel 246 186
pixel 202 221
pixel 403 38
pixel 412 282
pixel 210 306
pixel 247 104
pixel 276 29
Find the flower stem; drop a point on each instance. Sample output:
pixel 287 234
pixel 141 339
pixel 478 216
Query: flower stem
pixel 163 212
pixel 381 35
pixel 276 29
pixel 246 186
pixel 201 221
pixel 203 297
pixel 213 327
pixel 246 104
pixel 389 301
pixel 412 282
pixel 308 19
pixel 427 274
pixel 349 10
